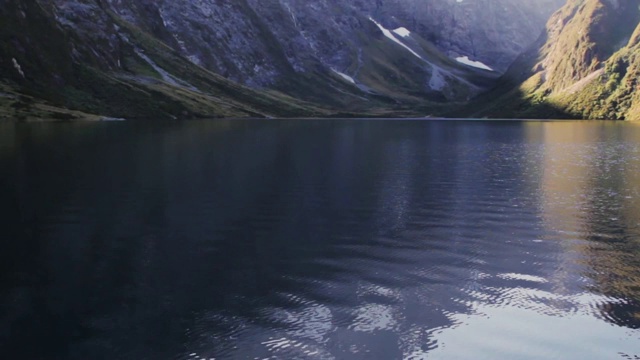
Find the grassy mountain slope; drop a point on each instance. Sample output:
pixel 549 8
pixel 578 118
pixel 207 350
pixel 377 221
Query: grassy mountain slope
pixel 44 66
pixel 287 46
pixel 410 76
pixel 585 65
pixel 70 59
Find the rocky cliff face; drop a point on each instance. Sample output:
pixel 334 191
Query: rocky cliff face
pixel 57 58
pixel 336 55
pixel 268 44
pixel 494 32
pixel 257 42
pixel 585 65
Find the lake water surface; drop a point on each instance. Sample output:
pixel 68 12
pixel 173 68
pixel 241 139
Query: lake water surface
pixel 327 239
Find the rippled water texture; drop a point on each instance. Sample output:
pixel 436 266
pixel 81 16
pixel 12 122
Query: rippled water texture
pixel 320 240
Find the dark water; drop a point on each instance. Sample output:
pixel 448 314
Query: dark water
pixel 320 240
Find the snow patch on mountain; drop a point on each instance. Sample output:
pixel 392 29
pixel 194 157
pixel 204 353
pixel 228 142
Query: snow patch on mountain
pixel 17 66
pixel 344 76
pixel 390 36
pixel 476 64
pixel 402 31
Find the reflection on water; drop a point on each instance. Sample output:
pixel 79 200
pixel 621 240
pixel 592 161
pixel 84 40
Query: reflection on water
pixel 320 239
pixel 591 187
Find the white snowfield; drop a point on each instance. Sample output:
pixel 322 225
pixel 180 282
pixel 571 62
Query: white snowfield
pixel 439 75
pixel 344 76
pixel 476 64
pixel 390 35
pixel 402 31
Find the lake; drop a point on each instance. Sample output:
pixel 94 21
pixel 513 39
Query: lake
pixel 320 239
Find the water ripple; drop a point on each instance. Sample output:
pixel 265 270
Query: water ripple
pixel 322 240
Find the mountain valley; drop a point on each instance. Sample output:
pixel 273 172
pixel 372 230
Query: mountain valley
pixel 113 59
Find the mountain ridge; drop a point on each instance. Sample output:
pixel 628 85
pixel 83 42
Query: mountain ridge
pixel 141 58
pixel 585 65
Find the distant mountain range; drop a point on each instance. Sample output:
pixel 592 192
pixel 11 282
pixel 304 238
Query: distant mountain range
pixel 66 59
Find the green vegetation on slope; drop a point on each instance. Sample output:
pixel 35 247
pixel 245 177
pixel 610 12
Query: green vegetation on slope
pixel 39 62
pixel 86 59
pixel 585 66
